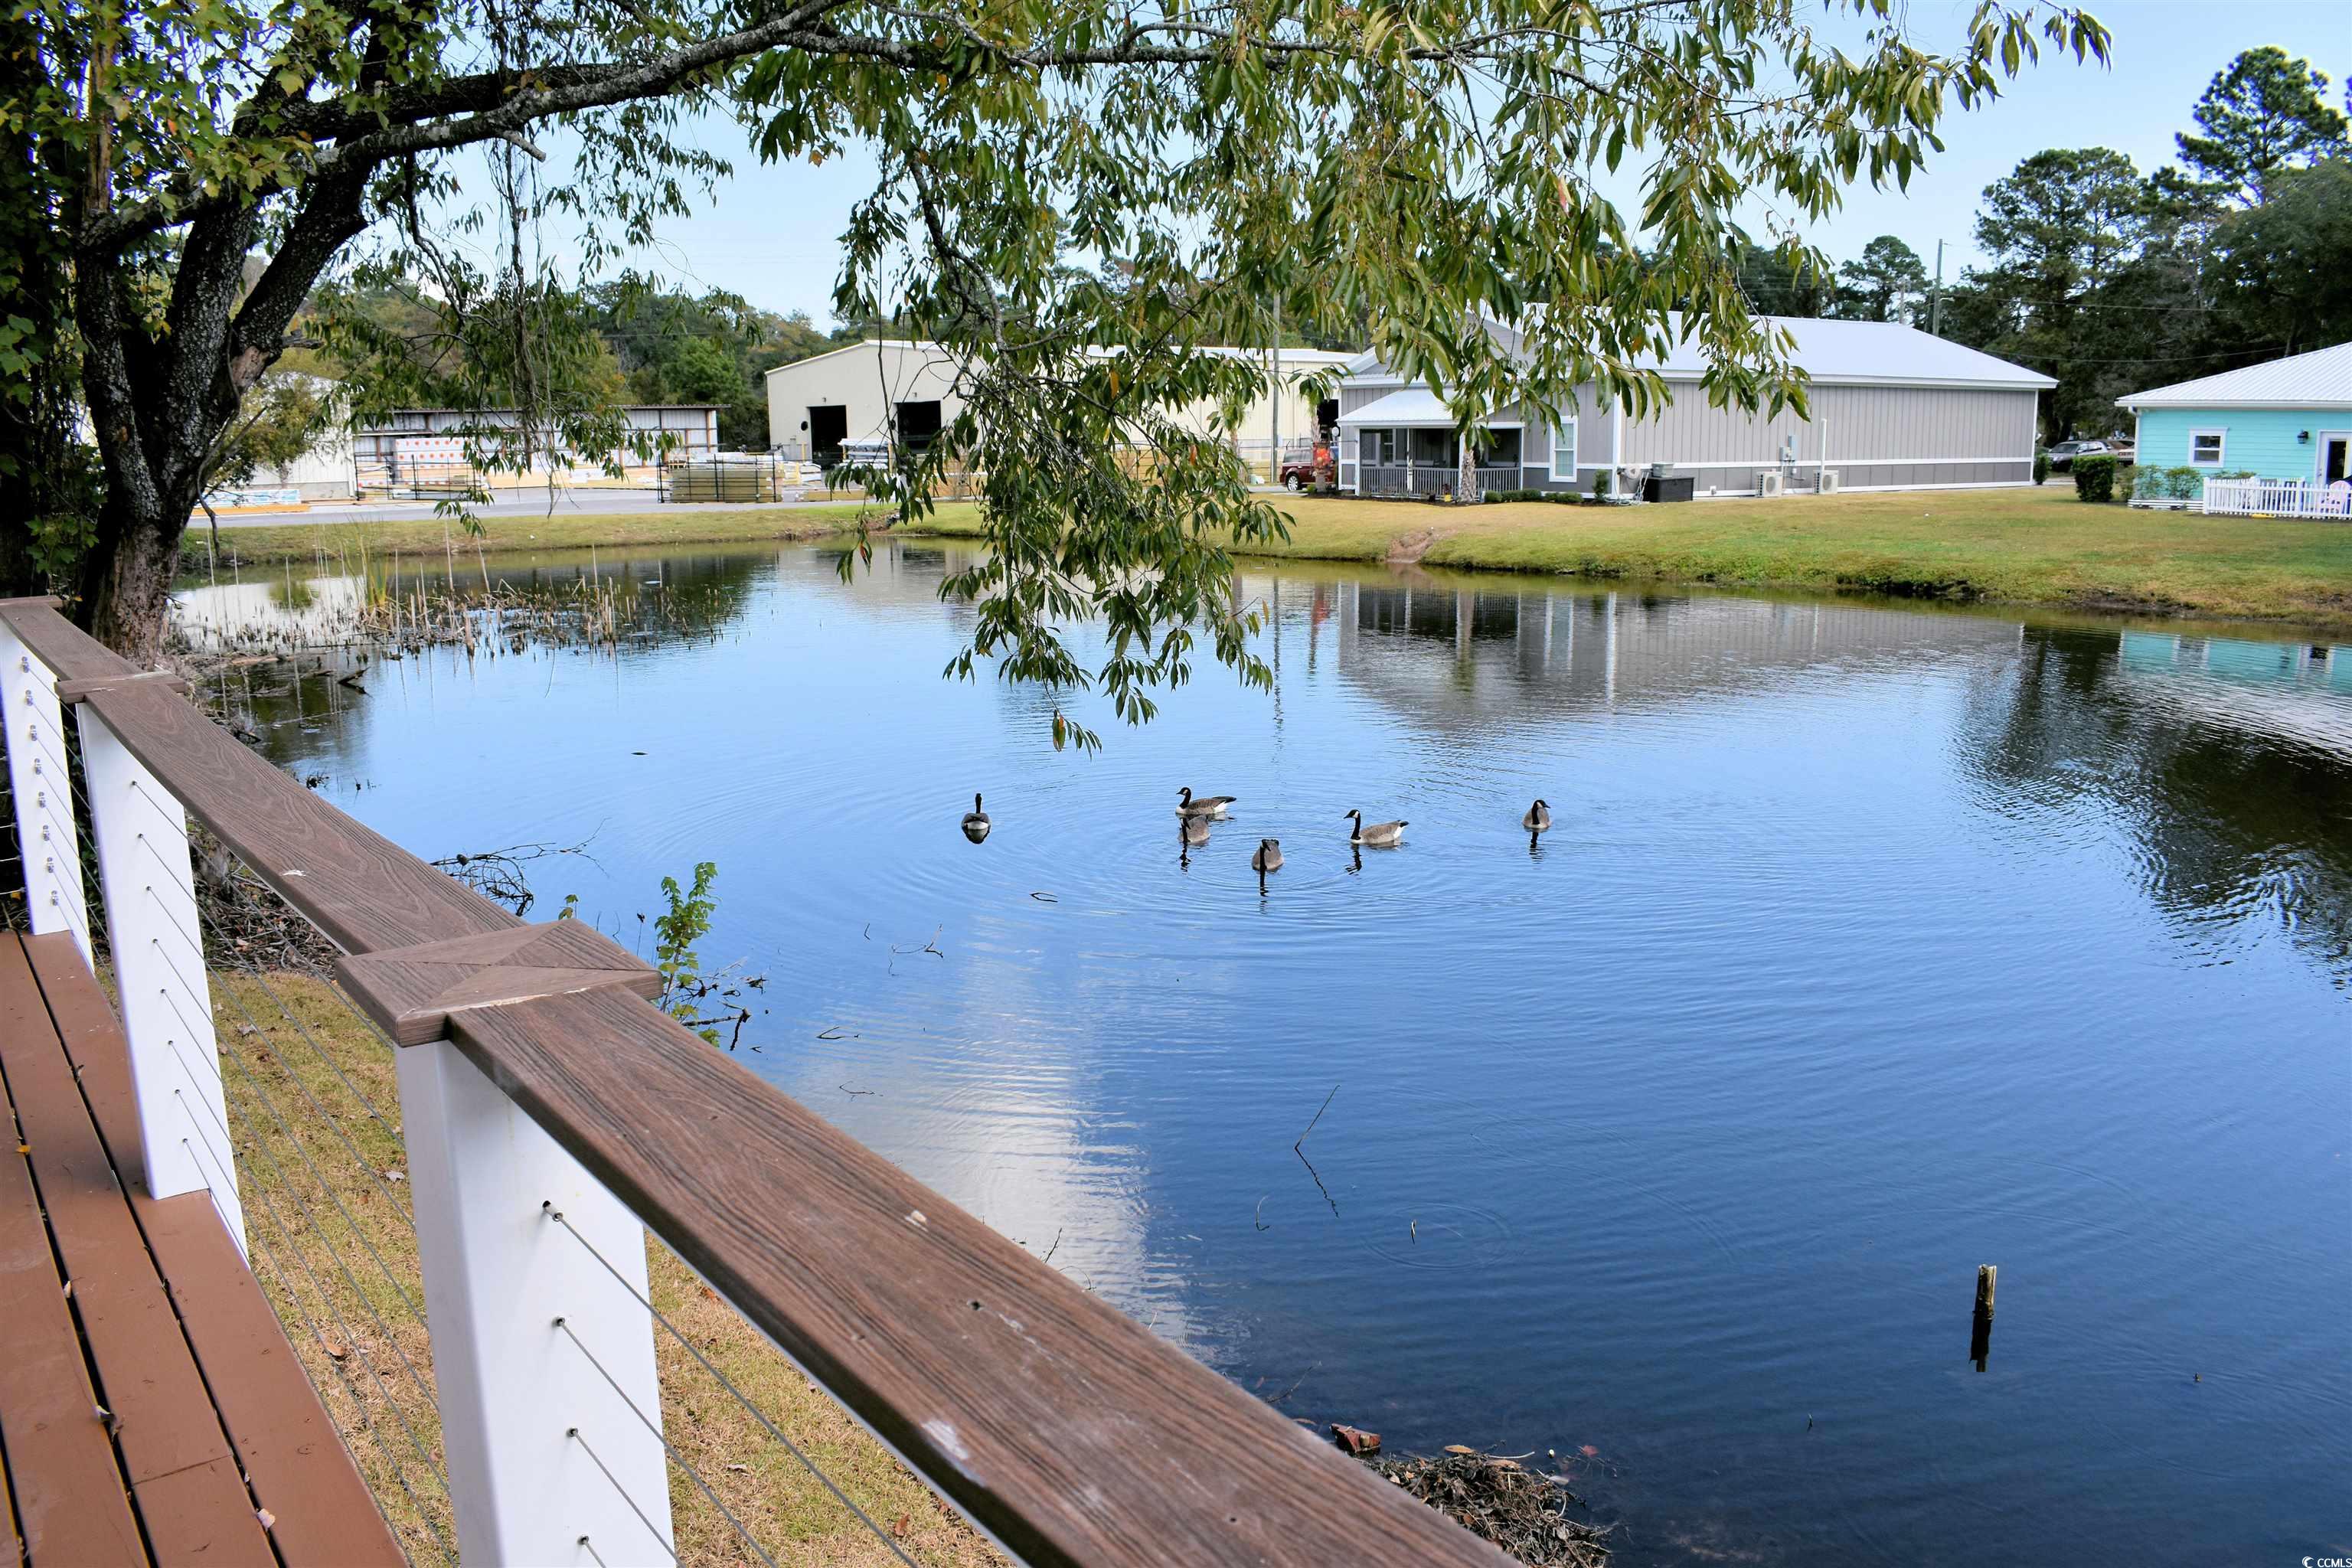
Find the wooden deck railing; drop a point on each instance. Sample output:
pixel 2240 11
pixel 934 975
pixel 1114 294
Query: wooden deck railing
pixel 546 1105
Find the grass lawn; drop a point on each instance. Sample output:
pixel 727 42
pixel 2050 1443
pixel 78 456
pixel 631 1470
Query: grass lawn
pixel 331 1243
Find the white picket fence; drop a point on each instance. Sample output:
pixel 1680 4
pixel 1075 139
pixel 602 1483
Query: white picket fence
pixel 2277 497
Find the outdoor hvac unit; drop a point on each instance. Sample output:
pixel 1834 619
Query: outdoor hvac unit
pixel 1829 481
pixel 1768 481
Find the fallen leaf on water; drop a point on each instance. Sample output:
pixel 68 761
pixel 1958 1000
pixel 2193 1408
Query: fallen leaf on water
pixel 1589 1452
pixel 1458 1449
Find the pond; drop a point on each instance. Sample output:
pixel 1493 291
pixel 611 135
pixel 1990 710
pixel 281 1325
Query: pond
pixel 1870 945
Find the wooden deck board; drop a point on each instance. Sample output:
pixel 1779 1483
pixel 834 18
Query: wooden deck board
pixel 72 1507
pixel 217 1412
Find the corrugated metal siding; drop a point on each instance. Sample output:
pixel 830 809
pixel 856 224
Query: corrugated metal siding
pixel 1861 423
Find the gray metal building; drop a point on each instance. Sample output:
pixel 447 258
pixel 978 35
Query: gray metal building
pixel 1891 409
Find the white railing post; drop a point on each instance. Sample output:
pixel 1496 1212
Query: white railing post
pixel 43 791
pixel 549 1462
pixel 162 986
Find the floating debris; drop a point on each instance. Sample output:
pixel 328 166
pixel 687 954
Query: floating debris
pixel 1523 1511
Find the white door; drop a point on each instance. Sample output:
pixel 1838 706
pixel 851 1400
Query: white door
pixel 2334 456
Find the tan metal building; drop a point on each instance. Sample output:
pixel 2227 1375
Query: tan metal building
pixel 907 390
pixel 1891 408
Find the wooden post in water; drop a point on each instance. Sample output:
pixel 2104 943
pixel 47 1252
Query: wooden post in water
pixel 1981 1328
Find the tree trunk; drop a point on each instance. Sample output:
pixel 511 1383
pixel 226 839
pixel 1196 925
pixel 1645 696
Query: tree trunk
pixel 126 591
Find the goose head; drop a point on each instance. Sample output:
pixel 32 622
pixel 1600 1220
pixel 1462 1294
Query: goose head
pixel 1184 795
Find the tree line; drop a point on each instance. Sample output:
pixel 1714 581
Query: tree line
pixel 2113 281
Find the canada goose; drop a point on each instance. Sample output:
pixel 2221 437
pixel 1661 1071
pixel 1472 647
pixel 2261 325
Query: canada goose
pixel 1268 856
pixel 975 822
pixel 1196 831
pixel 1207 806
pixel 1538 819
pixel 1379 834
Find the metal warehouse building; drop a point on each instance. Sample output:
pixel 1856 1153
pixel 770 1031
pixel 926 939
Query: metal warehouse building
pixel 1891 408
pixel 898 390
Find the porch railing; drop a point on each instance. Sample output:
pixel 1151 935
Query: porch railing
pixel 553 1116
pixel 2277 497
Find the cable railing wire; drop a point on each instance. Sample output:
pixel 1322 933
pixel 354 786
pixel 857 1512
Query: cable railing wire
pixel 406 1217
pixel 278 1270
pixel 573 1433
pixel 758 1414
pixel 350 1220
pixel 285 1184
pixel 359 1402
pixel 669 1448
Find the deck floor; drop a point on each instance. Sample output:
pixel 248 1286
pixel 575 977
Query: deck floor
pixel 151 1408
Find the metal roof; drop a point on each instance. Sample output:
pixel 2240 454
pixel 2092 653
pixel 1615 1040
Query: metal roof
pixel 1832 352
pixel 2320 379
pixel 1414 405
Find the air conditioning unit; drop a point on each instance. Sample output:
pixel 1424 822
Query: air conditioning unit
pixel 1768 481
pixel 1829 481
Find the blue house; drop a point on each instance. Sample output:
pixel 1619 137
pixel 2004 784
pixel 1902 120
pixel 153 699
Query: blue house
pixel 2289 419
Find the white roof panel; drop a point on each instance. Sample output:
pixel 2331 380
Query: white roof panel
pixel 1414 405
pixel 2320 379
pixel 1884 353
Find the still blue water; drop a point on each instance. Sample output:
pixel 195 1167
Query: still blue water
pixel 1870 945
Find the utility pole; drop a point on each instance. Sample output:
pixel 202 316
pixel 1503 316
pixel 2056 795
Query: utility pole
pixel 1936 300
pixel 1274 461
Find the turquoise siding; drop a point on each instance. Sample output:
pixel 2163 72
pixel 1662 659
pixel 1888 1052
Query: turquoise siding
pixel 2261 440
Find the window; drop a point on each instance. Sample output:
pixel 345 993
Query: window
pixel 2205 449
pixel 1563 452
pixel 1379 448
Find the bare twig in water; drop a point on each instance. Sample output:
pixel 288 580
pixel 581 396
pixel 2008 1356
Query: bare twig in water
pixel 1257 1216
pixel 836 1032
pixel 1056 1247
pixel 499 873
pixel 1046 898
pixel 932 947
pixel 1294 1381
pixel 1318 1179
pixel 846 1089
pixel 1318 1115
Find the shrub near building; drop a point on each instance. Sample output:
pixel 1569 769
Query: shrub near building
pixel 2094 478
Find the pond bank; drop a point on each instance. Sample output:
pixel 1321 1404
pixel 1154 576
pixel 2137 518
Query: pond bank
pixel 2037 546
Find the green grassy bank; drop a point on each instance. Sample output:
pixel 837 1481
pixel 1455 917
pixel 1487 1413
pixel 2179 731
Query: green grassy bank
pixel 2037 546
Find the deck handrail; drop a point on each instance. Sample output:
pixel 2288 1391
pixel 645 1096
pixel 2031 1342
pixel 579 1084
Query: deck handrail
pixel 1060 1426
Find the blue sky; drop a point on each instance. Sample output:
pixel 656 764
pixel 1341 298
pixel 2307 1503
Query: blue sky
pixel 771 234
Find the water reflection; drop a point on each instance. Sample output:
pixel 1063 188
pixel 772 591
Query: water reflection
pixel 2228 762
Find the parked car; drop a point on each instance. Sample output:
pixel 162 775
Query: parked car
pixel 2062 455
pixel 1316 473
